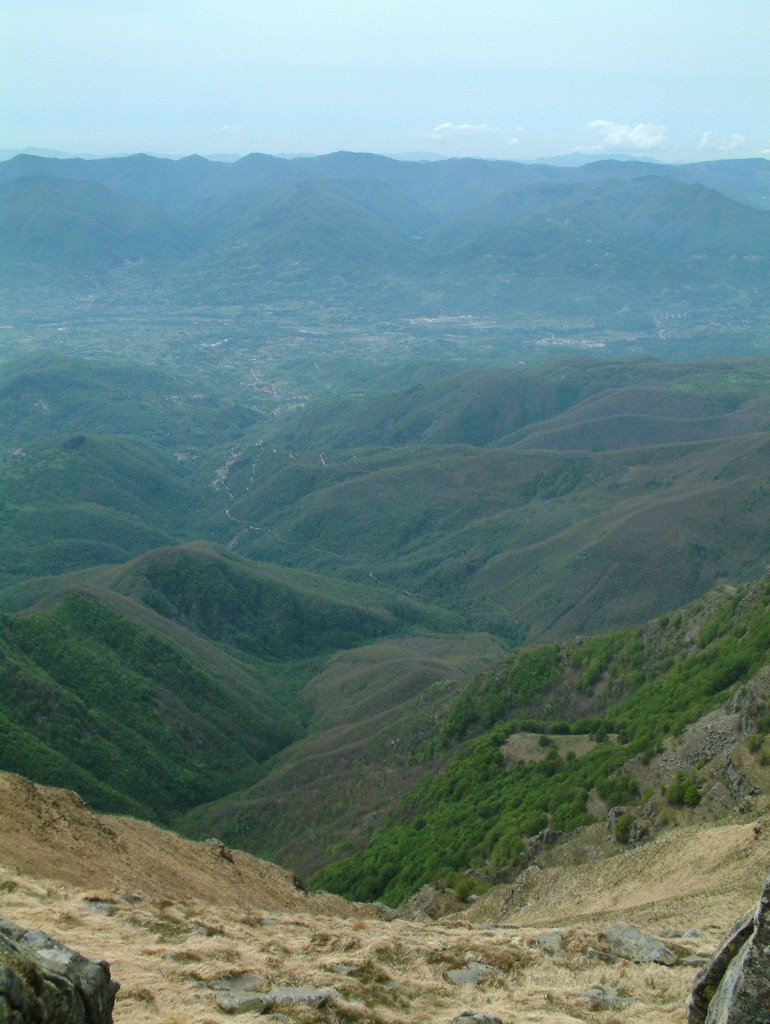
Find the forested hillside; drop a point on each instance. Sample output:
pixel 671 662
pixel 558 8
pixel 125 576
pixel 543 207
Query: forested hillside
pixel 295 453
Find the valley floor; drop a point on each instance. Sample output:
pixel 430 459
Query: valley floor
pixel 174 918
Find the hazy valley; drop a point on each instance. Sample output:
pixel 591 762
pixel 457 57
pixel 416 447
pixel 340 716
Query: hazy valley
pixel 406 525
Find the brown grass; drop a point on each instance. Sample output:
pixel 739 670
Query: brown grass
pixel 182 918
pixel 526 746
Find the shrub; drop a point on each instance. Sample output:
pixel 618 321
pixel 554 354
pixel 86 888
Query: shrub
pixel 683 791
pixel 462 885
pixel 559 728
pixel 617 790
pixel 763 724
pixel 623 827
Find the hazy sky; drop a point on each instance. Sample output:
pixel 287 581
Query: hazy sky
pixel 513 79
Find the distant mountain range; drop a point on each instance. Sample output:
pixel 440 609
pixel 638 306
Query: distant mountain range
pixel 378 235
pixel 578 159
pixel 564 160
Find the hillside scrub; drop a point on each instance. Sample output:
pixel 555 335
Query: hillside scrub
pixel 479 811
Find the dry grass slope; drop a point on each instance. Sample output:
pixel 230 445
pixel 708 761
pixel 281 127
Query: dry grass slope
pixel 173 917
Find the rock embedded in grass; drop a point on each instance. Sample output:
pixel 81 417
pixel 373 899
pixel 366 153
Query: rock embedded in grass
pixel 473 974
pixel 629 943
pixel 474 1017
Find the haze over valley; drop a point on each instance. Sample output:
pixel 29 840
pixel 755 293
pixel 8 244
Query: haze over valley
pixel 403 523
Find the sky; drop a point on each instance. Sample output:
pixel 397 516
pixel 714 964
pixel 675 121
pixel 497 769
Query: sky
pixel 678 80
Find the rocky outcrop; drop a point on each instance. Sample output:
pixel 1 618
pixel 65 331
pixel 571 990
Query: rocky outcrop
pixel 628 943
pixel 430 904
pixel 43 980
pixel 613 817
pixel 543 840
pixel 218 848
pixel 735 986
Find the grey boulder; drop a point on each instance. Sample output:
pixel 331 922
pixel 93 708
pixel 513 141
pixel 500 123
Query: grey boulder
pixel 735 987
pixel 42 980
pixel 316 998
pixel 629 943
pixel 474 1017
pixel 472 974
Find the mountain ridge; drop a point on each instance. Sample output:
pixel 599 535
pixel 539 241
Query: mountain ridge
pixel 374 234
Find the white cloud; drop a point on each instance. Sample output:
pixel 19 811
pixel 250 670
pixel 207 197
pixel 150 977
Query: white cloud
pixel 707 141
pixel 448 130
pixel 710 141
pixel 625 136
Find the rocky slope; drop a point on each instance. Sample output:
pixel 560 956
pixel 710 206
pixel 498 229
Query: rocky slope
pixel 192 929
